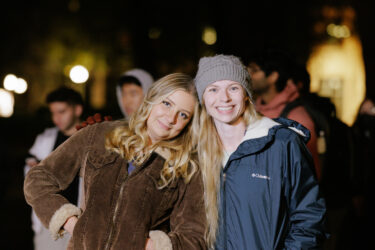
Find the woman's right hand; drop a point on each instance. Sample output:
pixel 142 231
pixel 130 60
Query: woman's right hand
pixel 70 224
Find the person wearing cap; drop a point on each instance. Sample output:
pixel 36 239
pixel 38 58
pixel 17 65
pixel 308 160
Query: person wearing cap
pixel 131 88
pixel 260 188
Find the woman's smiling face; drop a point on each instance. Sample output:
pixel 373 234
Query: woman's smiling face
pixel 225 101
pixel 168 118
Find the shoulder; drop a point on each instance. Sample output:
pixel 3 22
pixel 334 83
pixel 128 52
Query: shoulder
pixel 287 134
pixel 292 145
pixel 102 128
pixel 301 115
pixel 93 136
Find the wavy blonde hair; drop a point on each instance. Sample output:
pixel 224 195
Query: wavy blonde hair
pixel 132 141
pixel 210 154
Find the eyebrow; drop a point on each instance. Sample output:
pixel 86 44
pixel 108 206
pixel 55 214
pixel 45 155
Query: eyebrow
pixel 175 104
pixel 217 86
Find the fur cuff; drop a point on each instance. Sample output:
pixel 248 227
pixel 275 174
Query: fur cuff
pixel 59 218
pixel 161 240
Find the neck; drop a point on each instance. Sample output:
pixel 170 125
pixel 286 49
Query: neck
pixel 269 95
pixel 231 135
pixel 71 130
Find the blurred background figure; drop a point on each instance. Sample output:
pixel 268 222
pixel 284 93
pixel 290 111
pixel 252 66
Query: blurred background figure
pixel 301 78
pixel 335 148
pixel 66 107
pixel 131 88
pixel 364 131
pixel 277 95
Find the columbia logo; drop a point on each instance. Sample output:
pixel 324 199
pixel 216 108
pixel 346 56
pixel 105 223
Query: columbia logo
pixel 254 175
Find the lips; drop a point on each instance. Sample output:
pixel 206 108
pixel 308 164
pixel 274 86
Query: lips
pixel 163 126
pixel 225 109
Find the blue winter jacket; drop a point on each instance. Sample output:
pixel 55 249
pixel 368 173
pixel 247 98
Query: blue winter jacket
pixel 269 192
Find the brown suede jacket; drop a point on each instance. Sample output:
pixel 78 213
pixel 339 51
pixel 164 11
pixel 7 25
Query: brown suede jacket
pixel 119 211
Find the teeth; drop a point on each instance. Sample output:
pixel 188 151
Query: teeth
pixel 224 108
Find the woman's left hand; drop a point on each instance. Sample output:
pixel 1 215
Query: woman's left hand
pixel 149 245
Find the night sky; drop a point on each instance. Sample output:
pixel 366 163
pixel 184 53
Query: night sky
pixel 118 31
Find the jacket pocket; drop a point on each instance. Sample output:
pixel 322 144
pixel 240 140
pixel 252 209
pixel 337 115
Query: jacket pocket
pixel 99 159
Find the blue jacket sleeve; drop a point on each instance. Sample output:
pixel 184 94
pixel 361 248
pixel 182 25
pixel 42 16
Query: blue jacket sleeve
pixel 305 205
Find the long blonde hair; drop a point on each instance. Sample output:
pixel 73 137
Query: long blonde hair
pixel 132 141
pixel 210 153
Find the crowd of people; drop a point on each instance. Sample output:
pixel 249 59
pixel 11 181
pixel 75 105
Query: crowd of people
pixel 242 156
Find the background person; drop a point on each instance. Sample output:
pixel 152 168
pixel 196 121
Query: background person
pixel 131 88
pixel 66 107
pixel 271 74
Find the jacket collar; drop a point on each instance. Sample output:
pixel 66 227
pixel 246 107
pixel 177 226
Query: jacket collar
pixel 162 152
pixel 262 132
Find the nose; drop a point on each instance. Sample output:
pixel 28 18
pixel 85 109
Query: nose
pixel 224 96
pixel 172 117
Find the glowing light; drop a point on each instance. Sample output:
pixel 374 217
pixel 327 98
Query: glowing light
pixel 79 74
pixel 10 82
pixel 209 35
pixel 21 86
pixel 154 33
pixel 337 71
pixel 6 103
pixel 338 31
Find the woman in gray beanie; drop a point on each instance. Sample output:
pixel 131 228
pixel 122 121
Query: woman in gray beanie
pixel 260 187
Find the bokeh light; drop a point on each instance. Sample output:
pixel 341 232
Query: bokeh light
pixel 337 71
pixel 6 103
pixel 79 74
pixel 209 35
pixel 10 82
pixel 21 86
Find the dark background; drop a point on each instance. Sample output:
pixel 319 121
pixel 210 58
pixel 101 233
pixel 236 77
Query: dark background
pixel 118 32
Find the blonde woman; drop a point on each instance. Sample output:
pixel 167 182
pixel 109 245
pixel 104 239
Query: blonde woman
pixel 142 188
pixel 260 188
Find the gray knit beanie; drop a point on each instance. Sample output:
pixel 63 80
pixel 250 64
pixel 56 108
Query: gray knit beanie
pixel 221 67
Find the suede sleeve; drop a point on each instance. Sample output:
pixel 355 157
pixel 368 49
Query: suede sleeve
pixel 188 218
pixel 44 181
